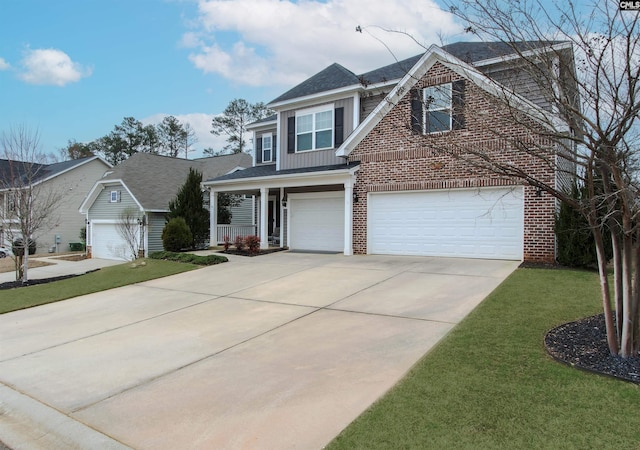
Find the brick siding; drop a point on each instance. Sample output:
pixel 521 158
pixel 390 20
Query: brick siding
pixel 393 158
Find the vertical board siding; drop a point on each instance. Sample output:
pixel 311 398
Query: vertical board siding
pixel 314 158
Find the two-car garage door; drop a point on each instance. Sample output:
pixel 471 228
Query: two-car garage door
pixel 470 223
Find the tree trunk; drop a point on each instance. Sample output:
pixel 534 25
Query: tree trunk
pixel 604 286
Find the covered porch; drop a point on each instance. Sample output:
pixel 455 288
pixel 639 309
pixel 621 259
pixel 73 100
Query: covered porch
pixel 303 210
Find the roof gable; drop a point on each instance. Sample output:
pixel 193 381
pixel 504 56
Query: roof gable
pixel 333 77
pixel 433 55
pixel 154 180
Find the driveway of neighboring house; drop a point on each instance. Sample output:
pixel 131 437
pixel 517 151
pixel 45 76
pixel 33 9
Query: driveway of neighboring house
pixel 278 351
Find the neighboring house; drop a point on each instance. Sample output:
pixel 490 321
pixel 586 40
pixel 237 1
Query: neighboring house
pixel 345 164
pixel 143 185
pixel 68 180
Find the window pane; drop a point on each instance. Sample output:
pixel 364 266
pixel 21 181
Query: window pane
pixel 323 139
pixel 324 120
pixel 304 141
pixel 438 121
pixel 304 124
pixel 266 155
pixel 266 143
pixel 438 97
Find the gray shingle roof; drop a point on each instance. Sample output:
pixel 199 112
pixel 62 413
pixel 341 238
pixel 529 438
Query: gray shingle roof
pixel 155 180
pixel 333 77
pixel 270 170
pixel 37 172
pixel 336 76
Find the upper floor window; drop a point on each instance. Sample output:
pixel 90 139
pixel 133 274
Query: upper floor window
pixel 267 147
pixel 114 197
pixel 315 129
pixel 438 108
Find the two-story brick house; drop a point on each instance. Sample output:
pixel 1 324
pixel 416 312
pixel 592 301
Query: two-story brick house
pixel 353 163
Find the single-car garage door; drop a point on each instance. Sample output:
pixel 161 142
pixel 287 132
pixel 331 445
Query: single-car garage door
pixel 469 223
pixel 106 242
pixel 316 221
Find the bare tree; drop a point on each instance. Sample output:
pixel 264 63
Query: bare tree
pixel 129 225
pixel 580 120
pixel 29 206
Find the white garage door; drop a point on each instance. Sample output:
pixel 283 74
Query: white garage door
pixel 316 221
pixel 469 223
pixel 107 243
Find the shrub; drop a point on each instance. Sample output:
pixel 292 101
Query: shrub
pixel 253 244
pixel 239 243
pixel 207 260
pixel 576 246
pixel 176 235
pixel 18 247
pixel 226 242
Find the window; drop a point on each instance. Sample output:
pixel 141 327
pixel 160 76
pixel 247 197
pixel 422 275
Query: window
pixel 12 202
pixel 437 108
pixel 314 129
pixel 267 147
pixel 114 197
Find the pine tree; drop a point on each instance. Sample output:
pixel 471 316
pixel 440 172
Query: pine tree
pixel 189 204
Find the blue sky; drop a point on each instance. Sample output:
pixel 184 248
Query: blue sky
pixel 75 68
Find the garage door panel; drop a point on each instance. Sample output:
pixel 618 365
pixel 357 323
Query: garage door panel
pixel 317 223
pixel 107 243
pixel 485 223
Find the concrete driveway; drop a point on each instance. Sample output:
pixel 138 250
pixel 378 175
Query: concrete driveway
pixel 279 351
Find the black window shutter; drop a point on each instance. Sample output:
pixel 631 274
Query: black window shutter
pixel 259 150
pixel 338 138
pixel 291 135
pixel 457 102
pixel 416 110
pixel 274 153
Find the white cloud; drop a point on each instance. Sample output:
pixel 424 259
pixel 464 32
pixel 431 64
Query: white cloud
pixel 4 65
pixel 51 67
pixel 275 42
pixel 201 124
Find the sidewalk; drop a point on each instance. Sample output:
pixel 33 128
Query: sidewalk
pixel 60 267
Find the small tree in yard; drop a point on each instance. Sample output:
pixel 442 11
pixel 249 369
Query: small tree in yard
pixel 594 127
pixel 29 205
pixel 176 235
pixel 189 204
pixel 128 227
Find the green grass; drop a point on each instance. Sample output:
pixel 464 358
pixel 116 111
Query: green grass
pixel 103 279
pixel 489 384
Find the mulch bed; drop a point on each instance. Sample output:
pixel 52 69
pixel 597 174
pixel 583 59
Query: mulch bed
pixel 233 251
pixel 19 284
pixel 583 344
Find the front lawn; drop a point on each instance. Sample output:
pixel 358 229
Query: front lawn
pixel 490 384
pixel 103 279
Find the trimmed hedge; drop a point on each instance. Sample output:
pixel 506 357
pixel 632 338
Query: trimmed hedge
pixel 207 260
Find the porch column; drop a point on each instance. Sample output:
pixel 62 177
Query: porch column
pixel 264 214
pixel 281 217
pixel 213 217
pixel 348 218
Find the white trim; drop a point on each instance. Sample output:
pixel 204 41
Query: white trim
pixel 289 180
pixel 278 142
pixel 98 187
